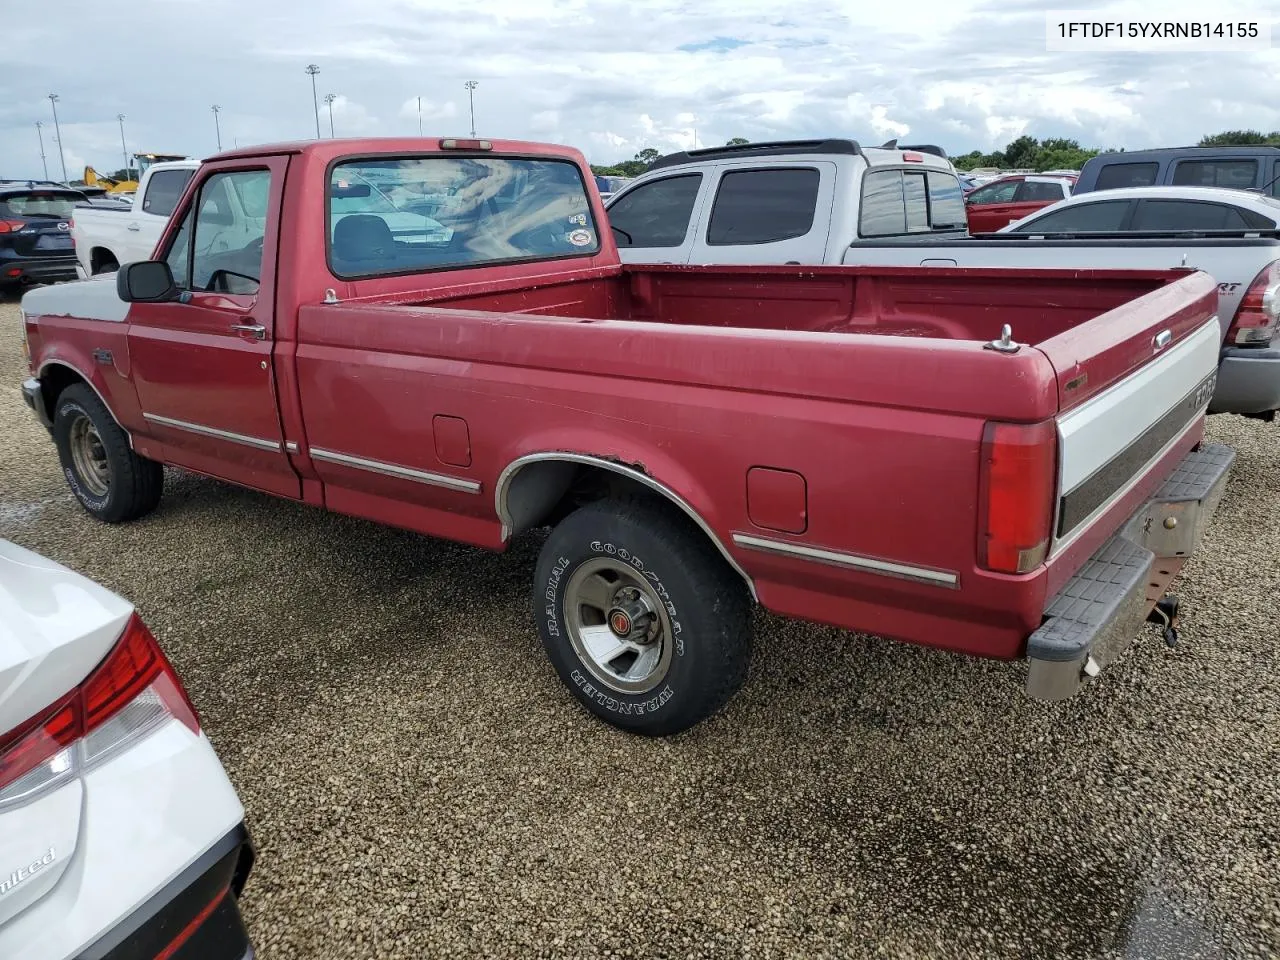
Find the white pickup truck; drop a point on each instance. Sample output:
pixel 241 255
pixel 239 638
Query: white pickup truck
pixel 834 202
pixel 109 234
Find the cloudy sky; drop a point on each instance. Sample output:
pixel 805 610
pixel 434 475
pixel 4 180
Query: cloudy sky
pixel 608 77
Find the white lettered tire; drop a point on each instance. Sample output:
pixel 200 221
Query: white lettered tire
pixel 643 620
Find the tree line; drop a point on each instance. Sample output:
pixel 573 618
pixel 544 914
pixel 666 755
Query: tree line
pixel 1053 153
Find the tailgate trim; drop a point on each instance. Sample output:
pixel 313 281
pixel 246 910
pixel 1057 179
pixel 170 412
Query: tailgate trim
pixel 1098 489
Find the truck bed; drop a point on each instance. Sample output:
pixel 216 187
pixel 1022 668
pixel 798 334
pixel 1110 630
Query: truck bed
pixel 945 304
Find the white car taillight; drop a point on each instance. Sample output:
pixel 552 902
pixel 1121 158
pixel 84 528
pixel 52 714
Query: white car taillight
pixel 1255 322
pixel 131 692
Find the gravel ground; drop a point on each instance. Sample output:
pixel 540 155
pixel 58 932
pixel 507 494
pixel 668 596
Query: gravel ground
pixel 420 785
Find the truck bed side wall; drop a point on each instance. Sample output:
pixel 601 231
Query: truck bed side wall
pixel 884 474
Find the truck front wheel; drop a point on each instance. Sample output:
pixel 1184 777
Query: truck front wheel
pixel 644 622
pixel 111 481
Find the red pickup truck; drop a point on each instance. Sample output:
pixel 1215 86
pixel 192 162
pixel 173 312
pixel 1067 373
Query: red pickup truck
pixel 438 335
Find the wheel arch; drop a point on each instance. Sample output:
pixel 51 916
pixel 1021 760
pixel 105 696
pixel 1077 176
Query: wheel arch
pixel 56 375
pixel 531 488
pixel 100 255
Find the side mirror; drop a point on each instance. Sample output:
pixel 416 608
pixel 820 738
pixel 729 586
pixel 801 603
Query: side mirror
pixel 147 281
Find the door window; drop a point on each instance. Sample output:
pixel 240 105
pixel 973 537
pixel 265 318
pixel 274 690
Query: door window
pixel 1081 218
pixel 225 253
pixel 1034 191
pixel 655 214
pixel 994 193
pixel 1115 175
pixel 1192 215
pixel 763 206
pixel 1238 174
pixel 164 190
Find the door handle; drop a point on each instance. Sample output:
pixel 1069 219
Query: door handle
pixel 258 331
pixel 134 227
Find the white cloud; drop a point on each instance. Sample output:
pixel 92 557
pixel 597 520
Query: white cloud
pixel 609 76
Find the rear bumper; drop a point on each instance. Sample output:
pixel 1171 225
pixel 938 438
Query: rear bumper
pixel 1248 381
pixel 35 400
pixel 39 270
pixel 195 917
pixel 1100 610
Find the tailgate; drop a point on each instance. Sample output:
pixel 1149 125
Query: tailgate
pixel 1131 383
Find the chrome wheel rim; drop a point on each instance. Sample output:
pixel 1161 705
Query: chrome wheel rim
pixel 89 457
pixel 618 626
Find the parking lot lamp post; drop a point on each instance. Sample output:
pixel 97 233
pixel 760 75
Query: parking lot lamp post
pixel 217 125
pixel 57 134
pixel 313 69
pixel 471 95
pixel 329 98
pixel 124 151
pixel 40 133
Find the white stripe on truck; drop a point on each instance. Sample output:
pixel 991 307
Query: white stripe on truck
pixel 1092 435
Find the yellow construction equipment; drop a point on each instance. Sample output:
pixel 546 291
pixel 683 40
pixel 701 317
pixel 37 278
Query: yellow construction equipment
pixel 141 162
pixel 92 178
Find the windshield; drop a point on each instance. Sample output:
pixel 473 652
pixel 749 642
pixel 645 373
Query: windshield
pixel 39 204
pixel 408 215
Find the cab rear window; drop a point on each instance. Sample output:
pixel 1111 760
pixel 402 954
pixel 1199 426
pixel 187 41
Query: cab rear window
pixel 413 214
pixel 896 202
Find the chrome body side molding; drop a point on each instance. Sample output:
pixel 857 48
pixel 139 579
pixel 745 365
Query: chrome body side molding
pixel 835 558
pixel 395 470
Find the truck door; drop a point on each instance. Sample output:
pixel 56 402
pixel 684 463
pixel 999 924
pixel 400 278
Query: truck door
pixel 990 207
pixel 768 214
pixel 202 367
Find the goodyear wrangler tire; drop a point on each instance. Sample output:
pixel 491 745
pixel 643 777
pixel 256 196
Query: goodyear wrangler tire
pixel 111 481
pixel 642 619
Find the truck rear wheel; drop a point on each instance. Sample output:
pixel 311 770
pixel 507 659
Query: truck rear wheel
pixel 111 481
pixel 644 622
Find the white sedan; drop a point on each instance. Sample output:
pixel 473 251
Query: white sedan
pixel 120 834
pixel 1154 210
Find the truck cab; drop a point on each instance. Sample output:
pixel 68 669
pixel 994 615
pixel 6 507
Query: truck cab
pixel 801 201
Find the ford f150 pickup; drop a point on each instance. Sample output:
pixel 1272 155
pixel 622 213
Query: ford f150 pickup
pixel 834 202
pixel 459 352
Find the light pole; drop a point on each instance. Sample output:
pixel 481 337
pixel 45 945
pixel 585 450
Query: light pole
pixel 217 125
pixel 329 98
pixel 40 133
pixel 471 95
pixel 419 116
pixel 124 151
pixel 313 69
pixel 57 134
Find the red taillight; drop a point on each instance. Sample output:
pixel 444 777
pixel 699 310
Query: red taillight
pixel 134 666
pixel 39 739
pixel 1019 481
pixel 1254 324
pixel 11 226
pixel 913 157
